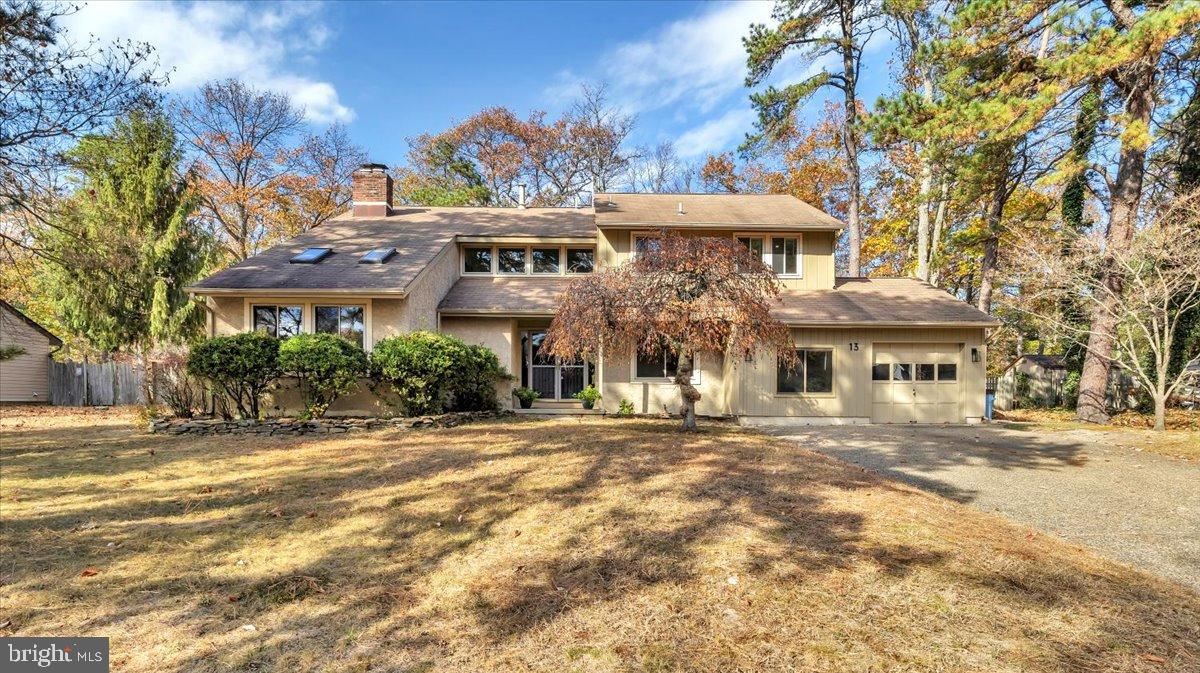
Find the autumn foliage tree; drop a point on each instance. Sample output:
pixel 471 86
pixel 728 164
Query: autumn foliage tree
pixel 684 296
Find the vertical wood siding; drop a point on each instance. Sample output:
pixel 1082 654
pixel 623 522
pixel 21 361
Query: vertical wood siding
pixel 25 378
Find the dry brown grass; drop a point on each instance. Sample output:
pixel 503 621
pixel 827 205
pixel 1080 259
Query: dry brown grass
pixel 552 546
pixel 1131 429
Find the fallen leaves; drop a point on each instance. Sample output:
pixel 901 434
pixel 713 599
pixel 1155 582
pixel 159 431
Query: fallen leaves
pixel 90 571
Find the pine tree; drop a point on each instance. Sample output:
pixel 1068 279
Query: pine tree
pixel 802 28
pixel 127 245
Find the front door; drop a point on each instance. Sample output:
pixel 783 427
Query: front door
pixel 552 378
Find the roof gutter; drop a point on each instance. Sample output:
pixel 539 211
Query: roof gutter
pixel 890 323
pixel 293 292
pixel 731 226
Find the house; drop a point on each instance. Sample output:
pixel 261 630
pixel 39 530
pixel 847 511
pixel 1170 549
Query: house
pixel 26 376
pixel 891 350
pixel 1032 380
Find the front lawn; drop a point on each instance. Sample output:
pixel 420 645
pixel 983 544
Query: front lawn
pixel 593 545
pixel 1130 429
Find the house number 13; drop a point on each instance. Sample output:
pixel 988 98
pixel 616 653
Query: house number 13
pixel 853 345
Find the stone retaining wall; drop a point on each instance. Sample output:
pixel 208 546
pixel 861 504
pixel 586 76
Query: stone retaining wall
pixel 324 426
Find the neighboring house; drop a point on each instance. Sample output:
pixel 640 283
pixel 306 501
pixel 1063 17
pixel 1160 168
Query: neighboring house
pixel 25 378
pixel 1032 380
pixel 883 350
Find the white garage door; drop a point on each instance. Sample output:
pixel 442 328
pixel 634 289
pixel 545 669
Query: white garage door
pixel 916 383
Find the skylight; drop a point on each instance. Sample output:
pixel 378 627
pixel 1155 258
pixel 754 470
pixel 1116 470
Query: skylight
pixel 377 256
pixel 311 256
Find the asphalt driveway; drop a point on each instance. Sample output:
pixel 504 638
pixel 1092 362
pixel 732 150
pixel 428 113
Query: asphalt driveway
pixel 1138 508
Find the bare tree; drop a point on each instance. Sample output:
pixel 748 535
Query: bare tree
pixel 1160 270
pixel 599 130
pixel 241 139
pixel 658 170
pixel 321 182
pixel 52 92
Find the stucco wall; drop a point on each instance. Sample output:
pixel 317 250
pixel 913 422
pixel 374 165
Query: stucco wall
pixel 614 245
pixel 25 378
pixel 659 395
pixel 498 334
pixel 426 291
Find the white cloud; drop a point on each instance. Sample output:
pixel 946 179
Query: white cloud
pixel 696 61
pixel 197 42
pixel 715 134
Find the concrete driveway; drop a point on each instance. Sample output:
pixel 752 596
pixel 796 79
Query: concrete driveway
pixel 1138 508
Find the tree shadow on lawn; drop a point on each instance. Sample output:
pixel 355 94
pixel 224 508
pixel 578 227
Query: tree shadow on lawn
pixel 465 548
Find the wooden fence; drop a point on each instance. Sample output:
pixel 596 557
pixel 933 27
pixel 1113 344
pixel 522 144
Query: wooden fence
pixel 78 384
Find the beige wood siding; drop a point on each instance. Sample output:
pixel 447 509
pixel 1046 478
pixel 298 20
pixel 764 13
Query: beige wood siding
pixel 25 378
pixel 614 245
pixel 852 395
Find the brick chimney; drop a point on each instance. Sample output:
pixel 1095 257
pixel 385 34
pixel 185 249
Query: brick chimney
pixel 372 191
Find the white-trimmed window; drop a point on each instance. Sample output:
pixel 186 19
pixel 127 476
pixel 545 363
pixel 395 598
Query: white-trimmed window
pixel 581 260
pixel 645 242
pixel 511 260
pixel 546 260
pixel 477 259
pixel 785 255
pixel 348 322
pixel 661 366
pixel 755 244
pixel 278 321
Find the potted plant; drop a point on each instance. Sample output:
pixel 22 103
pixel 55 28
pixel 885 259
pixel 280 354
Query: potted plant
pixel 588 396
pixel 526 396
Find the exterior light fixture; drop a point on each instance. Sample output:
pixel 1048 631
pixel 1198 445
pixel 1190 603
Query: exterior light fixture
pixel 974 355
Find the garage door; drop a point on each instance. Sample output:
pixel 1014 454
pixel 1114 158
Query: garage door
pixel 915 383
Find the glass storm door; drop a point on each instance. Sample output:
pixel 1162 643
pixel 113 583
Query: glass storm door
pixel 551 378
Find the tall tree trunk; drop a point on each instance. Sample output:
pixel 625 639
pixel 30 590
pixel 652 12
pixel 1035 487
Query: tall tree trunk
pixel 926 189
pixel 850 141
pixel 1137 89
pixel 939 225
pixel 683 379
pixel 991 245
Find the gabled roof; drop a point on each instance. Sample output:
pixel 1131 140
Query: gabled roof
pixel 877 302
pixel 717 211
pixel 54 341
pixel 417 233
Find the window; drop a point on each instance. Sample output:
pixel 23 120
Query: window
pixel 901 372
pixel 510 260
pixel 477 260
pixel 753 243
pixel 812 373
pixel 278 321
pixel 947 372
pixel 345 321
pixel 580 261
pixel 545 260
pixel 881 372
pixel 785 256
pixel 311 256
pixel 377 256
pixel 925 372
pixel 645 243
pixel 661 365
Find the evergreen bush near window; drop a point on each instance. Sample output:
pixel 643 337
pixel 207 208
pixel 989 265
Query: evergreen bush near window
pixel 327 367
pixel 240 367
pixel 432 373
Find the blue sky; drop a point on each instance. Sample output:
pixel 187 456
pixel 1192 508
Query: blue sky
pixel 392 70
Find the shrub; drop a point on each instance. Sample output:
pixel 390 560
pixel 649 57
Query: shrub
pixel 625 408
pixel 588 394
pixel 182 393
pixel 240 367
pixel 326 366
pixel 432 373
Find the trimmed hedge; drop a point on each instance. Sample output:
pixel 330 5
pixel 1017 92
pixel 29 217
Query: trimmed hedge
pixel 240 366
pixel 432 373
pixel 326 366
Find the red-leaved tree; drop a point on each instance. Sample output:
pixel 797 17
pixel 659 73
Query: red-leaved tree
pixel 682 295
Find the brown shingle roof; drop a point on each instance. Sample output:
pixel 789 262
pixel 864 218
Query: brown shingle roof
pixel 852 301
pixel 879 301
pixel 714 210
pixel 536 295
pixel 418 234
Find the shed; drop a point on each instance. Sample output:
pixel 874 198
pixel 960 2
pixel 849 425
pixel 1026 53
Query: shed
pixel 1032 379
pixel 26 377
